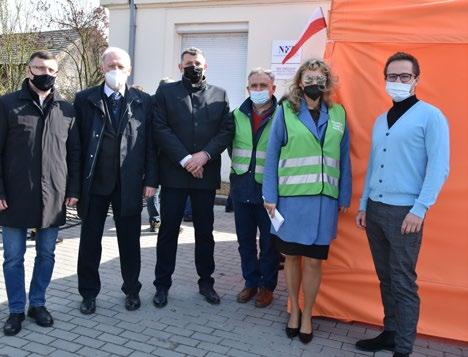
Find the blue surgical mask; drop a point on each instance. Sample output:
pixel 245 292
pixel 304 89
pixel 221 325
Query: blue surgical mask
pixel 398 91
pixel 260 97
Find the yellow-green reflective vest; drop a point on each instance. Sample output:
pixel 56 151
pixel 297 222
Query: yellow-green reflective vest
pixel 242 146
pixel 305 166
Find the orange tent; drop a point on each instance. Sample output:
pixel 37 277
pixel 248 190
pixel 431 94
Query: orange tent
pixel 362 35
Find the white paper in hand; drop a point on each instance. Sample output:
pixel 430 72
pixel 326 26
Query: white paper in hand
pixel 277 220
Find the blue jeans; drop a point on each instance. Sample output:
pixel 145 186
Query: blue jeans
pixel 258 270
pixel 188 207
pixel 14 247
pixel 152 204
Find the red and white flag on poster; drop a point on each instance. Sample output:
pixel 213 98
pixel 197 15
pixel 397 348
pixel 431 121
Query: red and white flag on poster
pixel 315 24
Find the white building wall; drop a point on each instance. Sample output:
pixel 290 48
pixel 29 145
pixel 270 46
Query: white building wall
pixel 160 24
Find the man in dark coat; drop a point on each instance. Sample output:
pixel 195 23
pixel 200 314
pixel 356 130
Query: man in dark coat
pixel 39 175
pixel 118 168
pixel 192 128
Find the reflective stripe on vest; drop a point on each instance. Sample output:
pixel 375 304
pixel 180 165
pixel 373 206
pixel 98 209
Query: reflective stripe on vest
pixel 311 160
pixel 311 178
pixel 242 160
pixel 242 146
pixel 306 167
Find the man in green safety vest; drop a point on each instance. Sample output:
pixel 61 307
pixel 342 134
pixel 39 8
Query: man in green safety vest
pixel 252 127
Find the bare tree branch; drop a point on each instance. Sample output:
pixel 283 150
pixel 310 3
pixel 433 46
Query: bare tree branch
pixel 85 39
pixel 18 39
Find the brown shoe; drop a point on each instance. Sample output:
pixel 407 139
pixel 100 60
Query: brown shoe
pixel 264 298
pixel 246 295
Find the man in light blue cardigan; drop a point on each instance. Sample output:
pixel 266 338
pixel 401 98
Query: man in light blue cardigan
pixel 408 164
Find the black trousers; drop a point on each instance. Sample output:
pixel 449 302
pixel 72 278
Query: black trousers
pixel 128 237
pixel 395 256
pixel 172 211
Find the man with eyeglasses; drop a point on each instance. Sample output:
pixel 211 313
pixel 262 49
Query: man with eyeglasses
pixel 39 176
pixel 408 164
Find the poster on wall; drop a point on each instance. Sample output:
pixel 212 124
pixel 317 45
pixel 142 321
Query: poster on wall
pixel 284 71
pixel 279 49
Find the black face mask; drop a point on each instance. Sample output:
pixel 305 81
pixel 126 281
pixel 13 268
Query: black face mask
pixel 194 74
pixel 313 91
pixel 43 82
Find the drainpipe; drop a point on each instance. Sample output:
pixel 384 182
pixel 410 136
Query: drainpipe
pixel 131 41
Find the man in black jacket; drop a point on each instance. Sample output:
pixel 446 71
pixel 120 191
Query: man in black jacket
pixel 39 175
pixel 192 128
pixel 118 168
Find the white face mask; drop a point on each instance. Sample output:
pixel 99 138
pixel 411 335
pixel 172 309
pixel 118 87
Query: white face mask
pixel 116 79
pixel 398 91
pixel 260 97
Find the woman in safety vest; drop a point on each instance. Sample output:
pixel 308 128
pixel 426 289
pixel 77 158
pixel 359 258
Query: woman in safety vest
pixel 307 178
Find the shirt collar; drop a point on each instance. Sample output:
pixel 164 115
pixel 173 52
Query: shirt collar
pixel 108 90
pixel 193 87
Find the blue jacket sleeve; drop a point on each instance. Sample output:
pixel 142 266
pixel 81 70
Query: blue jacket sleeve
pixel 345 185
pixel 366 190
pixel 275 141
pixel 437 169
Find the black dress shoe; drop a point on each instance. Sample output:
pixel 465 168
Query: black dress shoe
pixel 160 298
pixel 41 316
pixel 305 338
pixel 384 341
pixel 132 302
pixel 13 324
pixel 398 354
pixel 88 306
pixel 292 332
pixel 210 295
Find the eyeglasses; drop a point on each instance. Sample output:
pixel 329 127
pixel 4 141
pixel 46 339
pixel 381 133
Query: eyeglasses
pixel 45 69
pixel 320 80
pixel 404 77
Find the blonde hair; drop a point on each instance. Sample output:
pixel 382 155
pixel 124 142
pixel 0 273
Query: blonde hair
pixel 296 94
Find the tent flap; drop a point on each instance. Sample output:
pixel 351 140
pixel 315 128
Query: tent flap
pixel 422 21
pixel 362 36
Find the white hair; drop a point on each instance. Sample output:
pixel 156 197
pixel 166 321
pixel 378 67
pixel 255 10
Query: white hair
pixel 260 70
pixel 118 51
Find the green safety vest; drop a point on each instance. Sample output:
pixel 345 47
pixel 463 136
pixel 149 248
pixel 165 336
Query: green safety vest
pixel 305 166
pixel 242 147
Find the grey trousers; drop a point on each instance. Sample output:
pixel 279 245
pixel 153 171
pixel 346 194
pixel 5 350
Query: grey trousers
pixel 395 256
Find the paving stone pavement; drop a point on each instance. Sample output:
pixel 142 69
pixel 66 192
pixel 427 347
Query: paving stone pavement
pixel 187 326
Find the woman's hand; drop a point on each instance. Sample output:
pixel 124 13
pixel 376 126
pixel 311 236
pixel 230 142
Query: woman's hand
pixel 343 209
pixel 270 207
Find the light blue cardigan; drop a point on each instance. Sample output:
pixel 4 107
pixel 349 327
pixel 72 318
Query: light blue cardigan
pixel 409 162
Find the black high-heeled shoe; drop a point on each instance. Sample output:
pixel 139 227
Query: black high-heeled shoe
pixel 305 338
pixel 292 332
